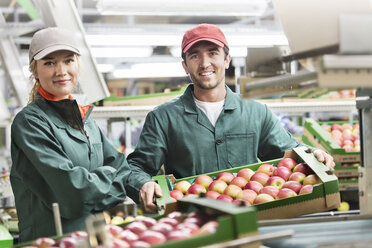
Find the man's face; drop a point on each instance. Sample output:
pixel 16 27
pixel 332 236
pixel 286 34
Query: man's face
pixel 206 63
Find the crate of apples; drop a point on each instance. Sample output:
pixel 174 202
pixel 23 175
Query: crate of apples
pixel 267 185
pixel 248 187
pixel 339 138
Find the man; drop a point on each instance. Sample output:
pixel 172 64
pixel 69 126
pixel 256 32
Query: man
pixel 209 127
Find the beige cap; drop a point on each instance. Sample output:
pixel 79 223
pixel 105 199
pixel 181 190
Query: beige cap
pixel 48 40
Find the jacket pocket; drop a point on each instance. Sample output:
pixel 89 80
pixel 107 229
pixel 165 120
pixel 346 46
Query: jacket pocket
pixel 240 149
pixel 96 156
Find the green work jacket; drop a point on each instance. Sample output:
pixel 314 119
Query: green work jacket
pixel 179 135
pixel 53 162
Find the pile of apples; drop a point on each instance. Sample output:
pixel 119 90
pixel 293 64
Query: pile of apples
pixel 343 94
pixel 347 136
pixel 248 187
pixel 74 240
pixel 144 232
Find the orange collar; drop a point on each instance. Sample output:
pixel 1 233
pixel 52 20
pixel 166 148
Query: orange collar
pixel 50 97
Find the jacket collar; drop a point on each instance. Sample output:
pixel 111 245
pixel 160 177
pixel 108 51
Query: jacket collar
pixel 231 100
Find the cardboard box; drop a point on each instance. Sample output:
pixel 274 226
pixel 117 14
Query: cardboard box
pixel 324 197
pixel 315 135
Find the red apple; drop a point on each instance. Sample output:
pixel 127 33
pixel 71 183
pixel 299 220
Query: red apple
pixel 182 186
pixel 304 168
pixel 209 227
pixel 171 221
pixel 241 202
pixel 336 126
pixel 178 234
pixel 270 190
pixel 128 236
pixel 239 181
pixel 293 185
pixel 140 244
pixel 227 177
pixel 68 242
pixel 297 176
pixel 276 182
pixel 218 186
pixel 189 227
pixel 336 135
pixel 176 194
pixel 164 228
pixel 204 180
pixel 212 194
pixel 247 194
pixel 311 179
pixel 285 192
pixel 118 243
pixel 306 189
pixel 137 227
pixel 232 190
pixel 196 189
pixel 346 126
pixel 175 214
pixel 44 242
pixel 263 198
pixel 282 172
pixel 290 163
pixel 267 169
pixel 245 173
pixel 260 177
pixel 225 198
pixel 148 221
pixel 152 237
pixel 253 185
pixel 79 235
pixel 114 230
pixel 347 148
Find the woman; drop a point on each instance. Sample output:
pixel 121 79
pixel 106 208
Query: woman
pixel 58 152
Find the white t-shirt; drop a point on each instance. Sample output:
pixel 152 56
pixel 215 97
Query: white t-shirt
pixel 211 109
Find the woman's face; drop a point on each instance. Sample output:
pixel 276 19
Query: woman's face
pixel 58 73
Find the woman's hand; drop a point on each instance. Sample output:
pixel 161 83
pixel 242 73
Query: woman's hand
pixel 147 193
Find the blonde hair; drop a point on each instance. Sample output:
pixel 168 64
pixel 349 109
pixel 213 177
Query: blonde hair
pixel 35 82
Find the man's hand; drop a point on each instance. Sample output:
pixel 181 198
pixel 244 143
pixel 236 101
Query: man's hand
pixel 324 157
pixel 147 196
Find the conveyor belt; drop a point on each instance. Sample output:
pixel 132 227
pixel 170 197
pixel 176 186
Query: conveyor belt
pixel 336 231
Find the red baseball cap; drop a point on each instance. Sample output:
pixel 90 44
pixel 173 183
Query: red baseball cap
pixel 203 32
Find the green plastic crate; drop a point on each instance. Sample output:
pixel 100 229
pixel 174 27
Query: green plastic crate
pixel 315 135
pixel 324 197
pixel 6 239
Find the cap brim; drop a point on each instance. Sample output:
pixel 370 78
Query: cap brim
pixel 52 49
pixel 217 42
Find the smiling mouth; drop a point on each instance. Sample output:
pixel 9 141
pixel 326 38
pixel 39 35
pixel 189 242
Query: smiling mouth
pixel 206 73
pixel 62 81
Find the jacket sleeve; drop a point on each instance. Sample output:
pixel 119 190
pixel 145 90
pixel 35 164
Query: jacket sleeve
pixel 274 139
pixel 145 161
pixel 49 173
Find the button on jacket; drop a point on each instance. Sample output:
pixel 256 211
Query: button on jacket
pixel 53 162
pixel 180 136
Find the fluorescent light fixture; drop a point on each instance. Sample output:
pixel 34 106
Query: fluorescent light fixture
pixel 151 70
pixel 183 7
pixel 134 40
pixel 137 40
pixel 121 52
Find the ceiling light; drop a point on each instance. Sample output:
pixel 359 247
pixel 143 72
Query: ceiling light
pixel 121 52
pixel 151 70
pixel 183 7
